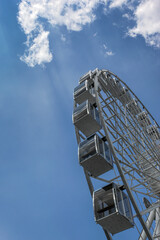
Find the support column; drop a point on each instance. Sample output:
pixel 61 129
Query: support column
pixel 157 228
pixel 148 224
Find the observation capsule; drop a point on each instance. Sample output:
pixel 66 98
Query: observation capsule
pixel 125 97
pixel 134 107
pixel 113 86
pixel 83 92
pixel 153 132
pixel 112 209
pixel 95 156
pixel 86 118
pixel 143 119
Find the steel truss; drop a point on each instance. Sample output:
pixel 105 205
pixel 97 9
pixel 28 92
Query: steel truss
pixel 135 149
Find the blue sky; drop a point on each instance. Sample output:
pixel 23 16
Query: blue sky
pixel 43 193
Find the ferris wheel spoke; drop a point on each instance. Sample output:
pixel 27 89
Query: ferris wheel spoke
pixel 128 119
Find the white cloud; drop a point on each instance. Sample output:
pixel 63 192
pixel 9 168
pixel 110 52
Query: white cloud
pixel 95 34
pixel 117 3
pixel 128 16
pixel 105 46
pixel 147 17
pixel 108 52
pixel 38 49
pixel 63 38
pixel 74 14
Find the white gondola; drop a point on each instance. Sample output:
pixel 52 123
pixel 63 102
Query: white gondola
pixel 95 156
pixel 134 107
pixel 112 209
pixel 153 132
pixel 83 92
pixel 125 96
pixel 86 118
pixel 88 76
pixel 143 119
pixel 113 86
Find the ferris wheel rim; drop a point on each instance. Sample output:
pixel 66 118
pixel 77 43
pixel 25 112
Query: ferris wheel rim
pixel 105 70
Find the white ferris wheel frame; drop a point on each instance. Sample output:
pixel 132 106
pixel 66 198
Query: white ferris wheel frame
pixel 130 145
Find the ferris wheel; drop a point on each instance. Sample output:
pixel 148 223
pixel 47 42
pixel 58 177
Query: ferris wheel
pixel 118 147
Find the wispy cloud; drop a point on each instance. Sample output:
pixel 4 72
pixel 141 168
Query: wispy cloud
pixel 117 3
pixel 63 38
pixel 128 16
pixel 105 46
pixel 95 34
pixel 147 16
pixel 38 48
pixel 75 14
pixel 107 51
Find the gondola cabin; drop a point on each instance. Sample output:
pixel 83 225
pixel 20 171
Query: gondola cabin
pixel 86 118
pixel 113 86
pixel 83 92
pixel 143 119
pixel 95 156
pixel 133 107
pixel 125 97
pixel 112 209
pixel 153 132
